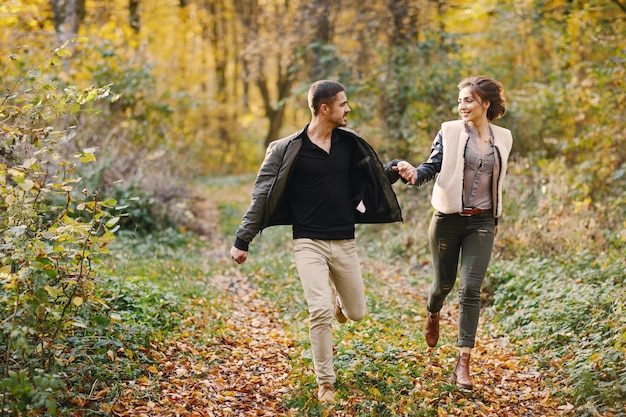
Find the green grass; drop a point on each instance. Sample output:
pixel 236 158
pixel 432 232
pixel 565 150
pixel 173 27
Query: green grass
pixel 571 313
pixel 565 316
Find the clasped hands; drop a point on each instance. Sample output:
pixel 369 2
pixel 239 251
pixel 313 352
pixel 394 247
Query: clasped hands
pixel 406 171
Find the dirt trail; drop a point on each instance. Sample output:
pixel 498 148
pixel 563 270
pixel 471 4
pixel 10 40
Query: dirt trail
pixel 244 368
pixel 244 371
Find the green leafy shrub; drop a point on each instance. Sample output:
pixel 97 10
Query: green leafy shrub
pixel 53 231
pixel 571 315
pixel 143 213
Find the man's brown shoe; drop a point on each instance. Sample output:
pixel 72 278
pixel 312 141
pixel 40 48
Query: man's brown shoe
pixel 461 372
pixel 326 393
pixel 432 329
pixel 341 318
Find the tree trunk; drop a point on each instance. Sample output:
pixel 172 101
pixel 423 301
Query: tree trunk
pixel 246 10
pixel 262 54
pixel 133 15
pixel 394 103
pixel 317 13
pixel 216 32
pixel 68 16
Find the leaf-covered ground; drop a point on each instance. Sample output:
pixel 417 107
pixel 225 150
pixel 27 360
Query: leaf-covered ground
pixel 243 368
pixel 245 354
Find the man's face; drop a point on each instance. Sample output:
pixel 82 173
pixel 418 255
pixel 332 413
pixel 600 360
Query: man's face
pixel 338 110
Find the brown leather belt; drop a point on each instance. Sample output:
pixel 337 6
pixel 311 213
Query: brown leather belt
pixel 473 211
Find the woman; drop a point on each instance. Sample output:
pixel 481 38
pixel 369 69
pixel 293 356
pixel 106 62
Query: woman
pixel 469 159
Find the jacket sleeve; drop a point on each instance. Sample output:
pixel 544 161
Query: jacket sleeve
pixel 252 221
pixel 378 197
pixel 392 175
pixel 428 170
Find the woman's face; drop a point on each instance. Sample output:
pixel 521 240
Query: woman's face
pixel 471 108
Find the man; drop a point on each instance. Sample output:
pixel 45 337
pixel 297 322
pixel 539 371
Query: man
pixel 322 180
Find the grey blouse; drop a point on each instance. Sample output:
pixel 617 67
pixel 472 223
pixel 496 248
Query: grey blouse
pixel 478 174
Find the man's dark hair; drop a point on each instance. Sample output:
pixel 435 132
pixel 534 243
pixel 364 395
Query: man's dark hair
pixel 323 92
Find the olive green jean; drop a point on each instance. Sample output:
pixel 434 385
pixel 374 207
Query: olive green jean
pixel 470 238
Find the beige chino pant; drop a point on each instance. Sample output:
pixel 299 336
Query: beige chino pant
pixel 320 262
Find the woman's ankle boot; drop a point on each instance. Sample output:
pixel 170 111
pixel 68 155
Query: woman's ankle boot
pixel 461 372
pixel 431 333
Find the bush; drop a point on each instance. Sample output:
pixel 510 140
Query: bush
pixel 53 233
pixel 570 313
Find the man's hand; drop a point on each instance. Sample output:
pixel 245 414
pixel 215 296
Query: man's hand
pixel 238 255
pixel 406 171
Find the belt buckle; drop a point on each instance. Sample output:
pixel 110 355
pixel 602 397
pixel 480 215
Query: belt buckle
pixel 465 214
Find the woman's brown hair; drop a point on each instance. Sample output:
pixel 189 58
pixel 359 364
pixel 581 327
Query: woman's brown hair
pixel 487 89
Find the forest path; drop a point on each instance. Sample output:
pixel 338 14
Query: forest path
pixel 240 369
pixel 237 354
pixel 243 366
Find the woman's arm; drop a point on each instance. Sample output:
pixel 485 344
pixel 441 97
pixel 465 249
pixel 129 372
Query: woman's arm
pixel 427 171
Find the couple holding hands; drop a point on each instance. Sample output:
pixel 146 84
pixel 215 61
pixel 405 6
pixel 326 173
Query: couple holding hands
pixel 324 179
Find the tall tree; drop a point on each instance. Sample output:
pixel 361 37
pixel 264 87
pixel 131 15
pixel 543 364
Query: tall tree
pixel 403 35
pixel 247 11
pixel 217 32
pixel 317 15
pixel 133 15
pixel 271 54
pixel 68 16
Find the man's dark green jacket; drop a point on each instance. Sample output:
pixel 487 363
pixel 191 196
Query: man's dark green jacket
pixel 268 205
